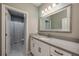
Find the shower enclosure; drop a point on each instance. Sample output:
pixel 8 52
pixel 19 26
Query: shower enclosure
pixel 16 33
pixel 16 30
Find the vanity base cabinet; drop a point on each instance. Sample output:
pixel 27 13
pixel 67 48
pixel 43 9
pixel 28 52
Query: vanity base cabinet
pixel 43 49
pixel 40 48
pixel 34 47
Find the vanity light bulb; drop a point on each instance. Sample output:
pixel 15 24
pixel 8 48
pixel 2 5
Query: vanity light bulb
pixel 54 4
pixel 49 8
pixel 42 12
pixel 46 10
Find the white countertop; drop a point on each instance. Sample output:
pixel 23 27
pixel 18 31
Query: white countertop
pixel 68 45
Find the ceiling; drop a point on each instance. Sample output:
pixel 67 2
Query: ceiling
pixel 37 4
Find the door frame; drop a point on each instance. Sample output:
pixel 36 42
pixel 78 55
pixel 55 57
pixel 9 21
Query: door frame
pixel 3 47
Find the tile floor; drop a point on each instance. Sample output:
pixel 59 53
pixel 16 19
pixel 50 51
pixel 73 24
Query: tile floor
pixel 17 50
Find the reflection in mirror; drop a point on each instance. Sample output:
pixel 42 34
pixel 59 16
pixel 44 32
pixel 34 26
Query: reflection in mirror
pixel 59 21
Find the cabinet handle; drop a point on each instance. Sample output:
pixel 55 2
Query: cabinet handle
pixel 58 52
pixel 39 49
pixel 32 54
pixel 51 55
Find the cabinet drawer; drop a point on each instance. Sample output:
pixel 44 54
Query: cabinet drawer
pixel 58 52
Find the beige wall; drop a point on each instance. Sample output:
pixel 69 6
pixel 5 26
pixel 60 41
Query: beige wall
pixel 75 22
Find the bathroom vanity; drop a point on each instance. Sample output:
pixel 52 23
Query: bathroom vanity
pixel 53 46
pixel 59 20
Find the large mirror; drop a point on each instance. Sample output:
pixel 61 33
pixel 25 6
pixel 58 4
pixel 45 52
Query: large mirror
pixel 58 21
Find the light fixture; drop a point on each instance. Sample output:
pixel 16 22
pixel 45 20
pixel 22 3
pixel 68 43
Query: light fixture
pixel 49 8
pixel 42 12
pixel 46 10
pixel 54 4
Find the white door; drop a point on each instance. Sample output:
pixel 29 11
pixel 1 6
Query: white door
pixel 7 33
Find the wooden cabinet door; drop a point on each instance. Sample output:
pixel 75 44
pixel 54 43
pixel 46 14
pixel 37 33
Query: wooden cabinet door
pixel 39 48
pixel 43 49
pixel 34 47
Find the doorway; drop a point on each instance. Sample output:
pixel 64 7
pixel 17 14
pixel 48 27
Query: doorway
pixel 15 33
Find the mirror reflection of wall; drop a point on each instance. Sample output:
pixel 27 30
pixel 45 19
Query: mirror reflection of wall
pixel 45 23
pixel 56 19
